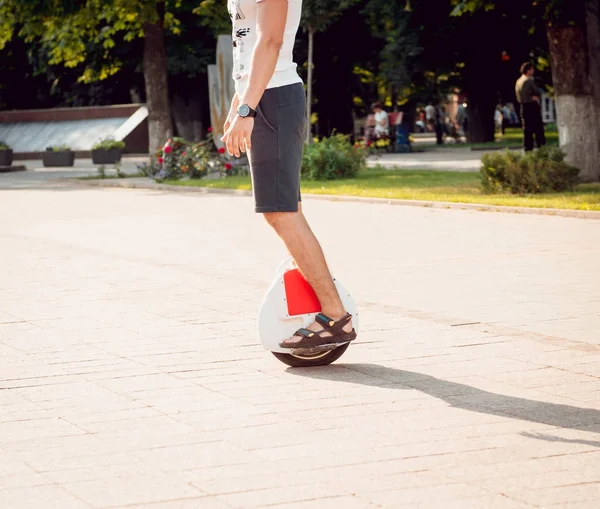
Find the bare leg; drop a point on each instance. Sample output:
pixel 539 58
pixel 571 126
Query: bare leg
pixel 306 251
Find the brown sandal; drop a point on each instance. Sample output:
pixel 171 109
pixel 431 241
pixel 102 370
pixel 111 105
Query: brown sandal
pixel 313 339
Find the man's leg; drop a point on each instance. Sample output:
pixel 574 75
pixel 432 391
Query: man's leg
pixel 528 127
pixel 306 251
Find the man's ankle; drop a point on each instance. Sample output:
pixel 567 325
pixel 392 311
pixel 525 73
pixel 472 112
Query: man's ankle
pixel 334 314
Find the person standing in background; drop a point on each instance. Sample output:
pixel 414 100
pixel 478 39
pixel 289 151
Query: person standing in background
pixel 498 119
pixel 430 115
pixel 505 117
pixel 462 119
pixel 529 96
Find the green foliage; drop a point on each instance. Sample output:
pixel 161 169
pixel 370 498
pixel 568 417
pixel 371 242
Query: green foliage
pixel 541 171
pixel 390 21
pixel 4 146
pixel 70 31
pixel 58 148
pixel 332 158
pixel 214 16
pixel 108 144
pixel 317 15
pixel 553 11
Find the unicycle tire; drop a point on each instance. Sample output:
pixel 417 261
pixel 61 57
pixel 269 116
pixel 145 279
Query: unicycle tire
pixel 322 359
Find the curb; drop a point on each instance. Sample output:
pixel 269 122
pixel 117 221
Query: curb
pixel 129 184
pixel 11 169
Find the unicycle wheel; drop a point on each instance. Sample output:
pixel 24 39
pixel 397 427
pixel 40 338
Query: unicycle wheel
pixel 318 359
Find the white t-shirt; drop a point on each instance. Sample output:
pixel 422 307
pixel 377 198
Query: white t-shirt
pixel 430 112
pixel 243 15
pixel 379 117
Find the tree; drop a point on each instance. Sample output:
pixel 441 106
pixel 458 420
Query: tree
pixel 70 31
pixel 430 54
pixel 317 15
pixel 592 17
pixel 348 77
pixel 573 32
pixel 577 94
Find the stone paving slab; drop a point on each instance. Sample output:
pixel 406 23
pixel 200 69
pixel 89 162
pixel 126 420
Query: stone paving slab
pixel 131 374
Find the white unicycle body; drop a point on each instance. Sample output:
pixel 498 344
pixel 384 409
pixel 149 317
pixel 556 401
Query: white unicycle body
pixel 290 304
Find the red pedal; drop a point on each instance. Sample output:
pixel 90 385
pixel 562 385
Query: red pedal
pixel 300 297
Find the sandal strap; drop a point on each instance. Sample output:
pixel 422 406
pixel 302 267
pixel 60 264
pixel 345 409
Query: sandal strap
pixel 331 325
pixel 324 321
pixel 307 333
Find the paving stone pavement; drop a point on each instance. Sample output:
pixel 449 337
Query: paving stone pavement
pixel 131 374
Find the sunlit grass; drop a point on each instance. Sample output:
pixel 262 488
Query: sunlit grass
pixel 441 186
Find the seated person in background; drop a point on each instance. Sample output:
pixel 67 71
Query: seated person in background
pixel 382 121
pixel 370 128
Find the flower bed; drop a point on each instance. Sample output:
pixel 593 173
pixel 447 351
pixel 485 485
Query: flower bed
pixel 180 159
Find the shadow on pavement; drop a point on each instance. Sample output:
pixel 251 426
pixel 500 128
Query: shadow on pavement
pixel 466 397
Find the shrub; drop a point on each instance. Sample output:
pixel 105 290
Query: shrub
pixel 179 159
pixel 4 146
pixel 58 148
pixel 332 158
pixel 541 171
pixel 108 144
pixel 376 147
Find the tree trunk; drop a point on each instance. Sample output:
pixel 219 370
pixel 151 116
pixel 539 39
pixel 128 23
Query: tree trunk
pixel 187 96
pixel 182 117
pixel 577 125
pixel 309 79
pixel 394 95
pixel 482 100
pixel 160 126
pixel 593 40
pixel 481 118
pixel 334 103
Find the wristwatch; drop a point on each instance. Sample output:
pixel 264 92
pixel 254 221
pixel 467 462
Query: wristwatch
pixel 246 111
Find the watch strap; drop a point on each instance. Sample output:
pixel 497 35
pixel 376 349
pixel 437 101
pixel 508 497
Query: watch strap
pixel 251 112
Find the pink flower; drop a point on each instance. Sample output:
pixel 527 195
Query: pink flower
pixel 184 154
pixel 210 129
pixel 228 167
pixel 160 160
pixel 221 150
pixel 168 149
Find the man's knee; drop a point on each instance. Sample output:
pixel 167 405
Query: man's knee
pixel 280 220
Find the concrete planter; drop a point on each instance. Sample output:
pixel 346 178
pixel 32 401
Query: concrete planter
pixel 103 156
pixel 6 157
pixel 62 158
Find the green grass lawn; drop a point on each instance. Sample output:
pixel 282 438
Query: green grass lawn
pixel 425 185
pixel 513 137
pixel 111 176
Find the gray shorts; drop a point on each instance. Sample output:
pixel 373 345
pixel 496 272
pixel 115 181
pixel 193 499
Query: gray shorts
pixel 277 145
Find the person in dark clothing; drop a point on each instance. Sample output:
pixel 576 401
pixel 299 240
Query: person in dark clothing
pixel 529 96
pixel 440 124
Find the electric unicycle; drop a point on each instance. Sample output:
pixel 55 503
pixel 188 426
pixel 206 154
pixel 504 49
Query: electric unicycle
pixel 289 304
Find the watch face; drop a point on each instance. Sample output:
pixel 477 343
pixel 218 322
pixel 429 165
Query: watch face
pixel 244 110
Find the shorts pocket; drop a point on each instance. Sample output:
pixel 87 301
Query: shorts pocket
pixel 267 111
pixel 293 117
